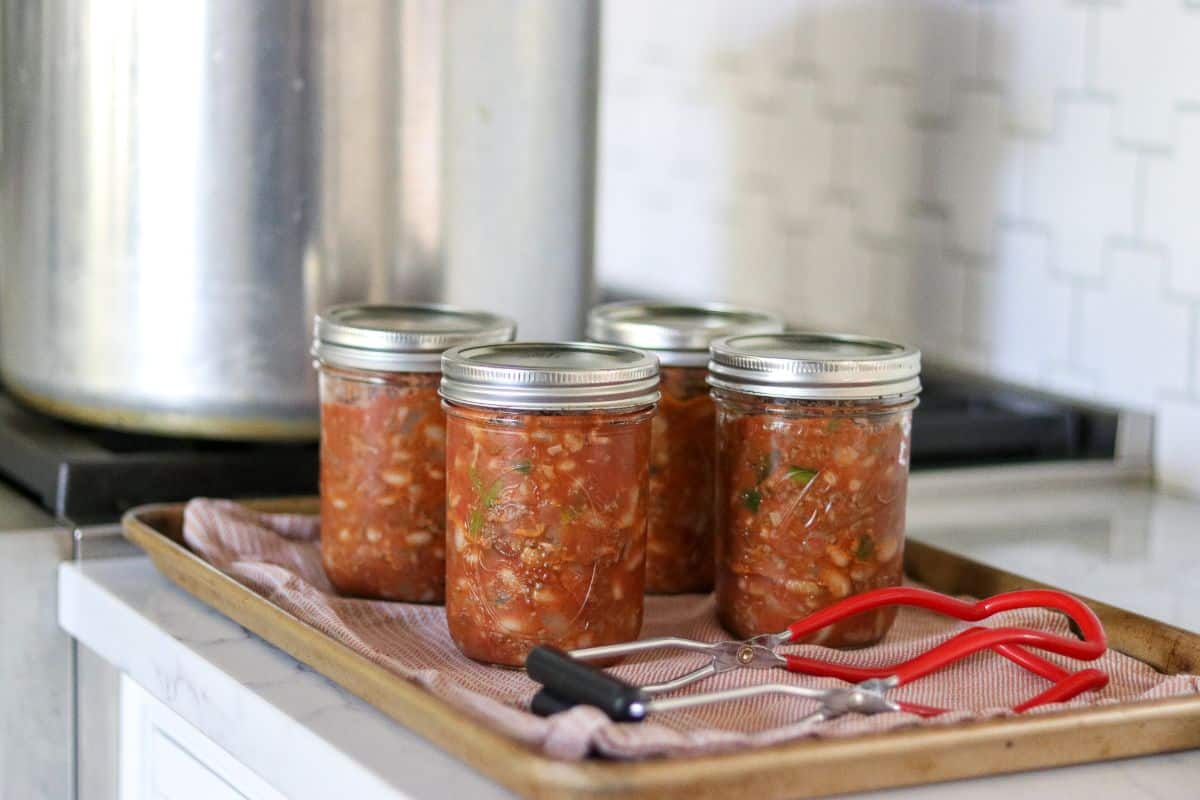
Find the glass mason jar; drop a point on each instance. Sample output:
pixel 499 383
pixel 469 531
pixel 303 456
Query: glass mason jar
pixel 383 486
pixel 812 473
pixel 679 547
pixel 547 461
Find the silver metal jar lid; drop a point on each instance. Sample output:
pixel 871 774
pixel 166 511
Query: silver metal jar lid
pixel 549 376
pixel 401 338
pixel 815 366
pixel 678 334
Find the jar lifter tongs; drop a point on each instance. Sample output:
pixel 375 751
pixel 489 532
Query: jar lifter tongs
pixel 568 681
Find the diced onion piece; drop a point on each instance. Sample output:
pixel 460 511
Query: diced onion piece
pixel 836 582
pixel 394 477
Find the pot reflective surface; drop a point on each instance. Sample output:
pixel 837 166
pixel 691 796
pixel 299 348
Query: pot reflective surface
pixel 183 185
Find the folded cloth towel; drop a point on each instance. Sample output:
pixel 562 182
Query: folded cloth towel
pixel 277 556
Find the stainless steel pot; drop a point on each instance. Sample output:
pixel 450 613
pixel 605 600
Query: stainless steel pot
pixel 184 184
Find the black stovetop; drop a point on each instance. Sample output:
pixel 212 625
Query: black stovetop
pixel 85 474
pixel 969 421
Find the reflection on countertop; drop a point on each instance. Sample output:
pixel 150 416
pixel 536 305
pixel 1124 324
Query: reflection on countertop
pixel 19 513
pixel 1125 544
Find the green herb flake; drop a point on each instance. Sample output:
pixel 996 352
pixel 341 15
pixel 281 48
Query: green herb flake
pixel 752 499
pixel 833 425
pixel 523 467
pixel 489 496
pixel 476 481
pixel 801 475
pixel 475 522
pixel 569 514
pixel 766 465
pixel 865 548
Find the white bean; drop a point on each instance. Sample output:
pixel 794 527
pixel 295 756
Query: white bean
pixel 837 556
pixel 394 477
pixel 836 582
pixel 886 548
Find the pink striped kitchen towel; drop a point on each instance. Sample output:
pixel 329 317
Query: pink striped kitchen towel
pixel 277 556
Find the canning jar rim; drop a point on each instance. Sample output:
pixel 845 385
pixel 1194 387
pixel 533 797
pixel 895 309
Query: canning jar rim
pixel 892 371
pixel 374 377
pixel 468 379
pixel 501 415
pixel 616 323
pixel 794 406
pixel 339 342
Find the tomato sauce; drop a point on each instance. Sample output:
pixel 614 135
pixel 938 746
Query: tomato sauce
pixel 546 520
pixel 679 555
pixel 810 509
pixel 679 549
pixel 383 484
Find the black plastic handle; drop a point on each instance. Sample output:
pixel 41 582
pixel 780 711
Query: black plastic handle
pixel 545 703
pixel 569 683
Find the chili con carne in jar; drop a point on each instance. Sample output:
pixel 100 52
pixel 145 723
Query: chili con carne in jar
pixel 382 460
pixel 812 472
pixel 679 543
pixel 547 462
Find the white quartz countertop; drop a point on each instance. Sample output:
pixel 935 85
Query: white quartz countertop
pixel 1125 545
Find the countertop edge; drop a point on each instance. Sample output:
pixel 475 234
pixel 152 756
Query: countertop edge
pixel 214 701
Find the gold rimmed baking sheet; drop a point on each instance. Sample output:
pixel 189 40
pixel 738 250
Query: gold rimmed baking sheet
pixel 806 768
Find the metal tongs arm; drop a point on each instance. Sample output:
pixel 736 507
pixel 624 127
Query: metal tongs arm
pixel 865 698
pixel 568 681
pixel 724 657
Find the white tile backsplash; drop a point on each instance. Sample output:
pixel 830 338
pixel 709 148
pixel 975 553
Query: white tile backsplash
pixel 931 45
pixel 1011 184
pixel 1034 52
pixel 1081 187
pixel 834 273
pixel 801 152
pixel 1146 58
pixel 933 278
pixel 977 183
pixel 1170 216
pixel 845 49
pixel 1018 313
pixel 1136 342
pixel 889 165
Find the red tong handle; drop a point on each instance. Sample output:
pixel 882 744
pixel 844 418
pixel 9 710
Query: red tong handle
pixel 1009 642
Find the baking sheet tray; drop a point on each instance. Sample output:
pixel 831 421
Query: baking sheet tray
pixel 806 768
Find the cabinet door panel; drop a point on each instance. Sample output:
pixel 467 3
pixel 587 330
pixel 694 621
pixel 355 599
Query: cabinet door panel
pixel 163 757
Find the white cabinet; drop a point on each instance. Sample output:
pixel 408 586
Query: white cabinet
pixel 163 757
